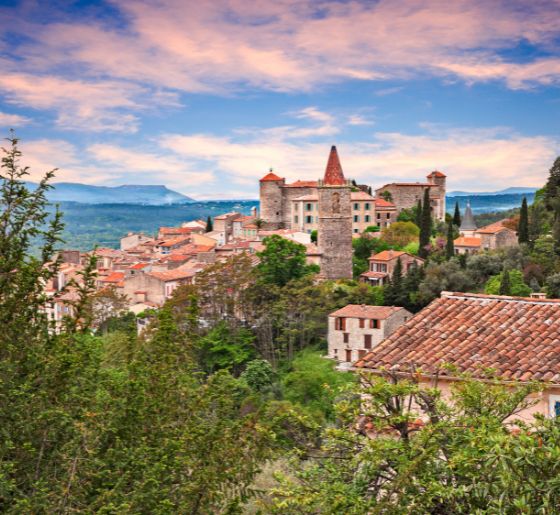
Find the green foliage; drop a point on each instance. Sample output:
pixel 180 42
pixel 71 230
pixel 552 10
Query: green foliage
pixel 408 215
pixel 209 224
pixel 553 286
pixel 387 195
pixel 552 187
pixel 224 347
pixel 412 248
pixel 449 245
pixel 446 276
pixel 516 287
pixel 283 261
pixel 407 450
pixel 544 253
pixel 314 384
pixel 371 228
pixel 425 225
pixel 523 230
pixel 457 215
pixel 400 234
pixel 364 247
pixel 314 235
pixel 259 375
pixel 394 292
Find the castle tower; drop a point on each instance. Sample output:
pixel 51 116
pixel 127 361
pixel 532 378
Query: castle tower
pixel 468 225
pixel 335 221
pixel 271 202
pixel 439 179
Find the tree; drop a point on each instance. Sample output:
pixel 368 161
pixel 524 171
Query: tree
pixel 523 228
pixel 259 375
pixel 400 447
pixel 553 286
pixel 314 234
pixel 457 216
pixel 282 261
pixel 209 224
pixel 418 214
pixel 400 234
pixel 449 245
pixel 425 225
pixel 551 189
pixel 394 293
pixel 505 286
pixel 498 284
pixel 386 194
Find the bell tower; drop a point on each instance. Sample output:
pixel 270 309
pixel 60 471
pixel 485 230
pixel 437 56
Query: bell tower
pixel 335 221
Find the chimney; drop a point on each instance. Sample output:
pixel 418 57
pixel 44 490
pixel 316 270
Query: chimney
pixel 538 295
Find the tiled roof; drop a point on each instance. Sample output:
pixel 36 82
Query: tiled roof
pixel 467 241
pixel 172 275
pixel 333 173
pixel 302 184
pixel 113 277
pixel 518 337
pixel 360 195
pixel 437 173
pixel 139 266
pixel 387 255
pixel 375 275
pixel 408 184
pixel 271 177
pixel 175 230
pixel 365 311
pixel 173 241
pixel 494 228
pixel 381 203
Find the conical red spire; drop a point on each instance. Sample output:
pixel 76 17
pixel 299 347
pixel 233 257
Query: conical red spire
pixel 333 173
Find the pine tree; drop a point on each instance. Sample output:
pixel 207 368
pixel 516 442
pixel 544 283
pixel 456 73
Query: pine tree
pixel 209 224
pixel 449 246
pixel 523 230
pixel 425 225
pixel 457 215
pixel 552 187
pixel 505 283
pixel 395 293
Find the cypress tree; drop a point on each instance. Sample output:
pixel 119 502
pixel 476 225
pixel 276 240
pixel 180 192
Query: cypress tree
pixel 551 189
pixel 523 230
pixel 505 283
pixel 457 215
pixel 425 225
pixel 394 293
pixel 418 218
pixel 209 225
pixel 449 246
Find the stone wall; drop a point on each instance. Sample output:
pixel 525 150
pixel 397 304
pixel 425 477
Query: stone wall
pixel 271 203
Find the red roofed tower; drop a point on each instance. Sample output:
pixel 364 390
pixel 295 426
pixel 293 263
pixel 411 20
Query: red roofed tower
pixel 335 221
pixel 271 200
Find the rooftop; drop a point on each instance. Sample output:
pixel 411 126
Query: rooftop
pixel 467 241
pixel 271 177
pixel 518 337
pixel 366 311
pixel 333 173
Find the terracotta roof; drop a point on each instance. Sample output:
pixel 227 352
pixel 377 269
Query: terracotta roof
pixel 387 255
pixel 408 184
pixel 113 277
pixel 467 241
pixel 365 311
pixel 381 202
pixel 518 337
pixel 139 266
pixel 172 275
pixel 437 173
pixel 175 230
pixel 494 228
pixel 333 173
pixel 173 241
pixel 301 184
pixel 271 177
pixel 360 195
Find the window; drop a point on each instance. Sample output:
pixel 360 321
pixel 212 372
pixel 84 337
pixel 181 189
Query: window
pixel 374 324
pixel 381 267
pixel 367 341
pixel 379 216
pixel 345 337
pixel 366 206
pixel 296 219
pixel 362 323
pixel 361 354
pixel 366 218
pixel 308 219
pixel 356 231
pixel 348 355
pixel 356 206
pixel 309 207
pixel 340 324
pixel 356 218
pixel 388 216
pixel 554 405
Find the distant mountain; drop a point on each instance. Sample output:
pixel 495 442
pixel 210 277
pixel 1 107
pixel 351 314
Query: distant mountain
pixel 515 190
pixel 127 194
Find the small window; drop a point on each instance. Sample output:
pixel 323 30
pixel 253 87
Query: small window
pixel 366 218
pixel 356 206
pixel 362 323
pixel 367 341
pixel 366 206
pixel 346 337
pixel 379 216
pixel 388 216
pixel 340 324
pixel 309 207
pixel 308 219
pixel 361 354
pixel 356 218
pixel 374 324
pixel 356 231
pixel 296 219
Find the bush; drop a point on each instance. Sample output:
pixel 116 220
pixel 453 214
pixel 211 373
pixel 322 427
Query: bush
pixel 518 288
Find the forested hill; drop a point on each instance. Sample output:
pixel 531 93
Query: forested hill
pixel 488 203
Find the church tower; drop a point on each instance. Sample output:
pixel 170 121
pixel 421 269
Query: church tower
pixel 335 221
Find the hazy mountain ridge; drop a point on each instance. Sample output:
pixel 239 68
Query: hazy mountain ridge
pixel 126 194
pixel 513 190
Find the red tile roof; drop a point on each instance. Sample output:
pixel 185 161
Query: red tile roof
pixel 437 173
pixel 114 277
pixel 302 184
pixel 365 311
pixel 172 275
pixel 139 266
pixel 333 173
pixel 387 255
pixel 494 228
pixel 518 337
pixel 381 202
pixel 271 177
pixel 467 241
pixel 375 275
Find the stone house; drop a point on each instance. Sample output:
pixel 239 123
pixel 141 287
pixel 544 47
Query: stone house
pixel 385 213
pixel 516 337
pixel 167 246
pixel 406 195
pixel 156 286
pixel 466 245
pixel 224 225
pixel 356 329
pixel 382 265
pixel 490 237
pixel 133 239
pixel 168 233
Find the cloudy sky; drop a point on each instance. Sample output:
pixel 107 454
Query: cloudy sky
pixel 205 96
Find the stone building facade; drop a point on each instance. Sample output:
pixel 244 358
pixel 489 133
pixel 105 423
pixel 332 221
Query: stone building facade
pixel 335 221
pixel 406 195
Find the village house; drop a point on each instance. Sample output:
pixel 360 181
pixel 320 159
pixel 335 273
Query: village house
pixel 518 338
pixel 490 237
pixel 133 239
pixel 382 265
pixel 356 329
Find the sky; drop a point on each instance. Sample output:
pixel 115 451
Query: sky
pixel 206 96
